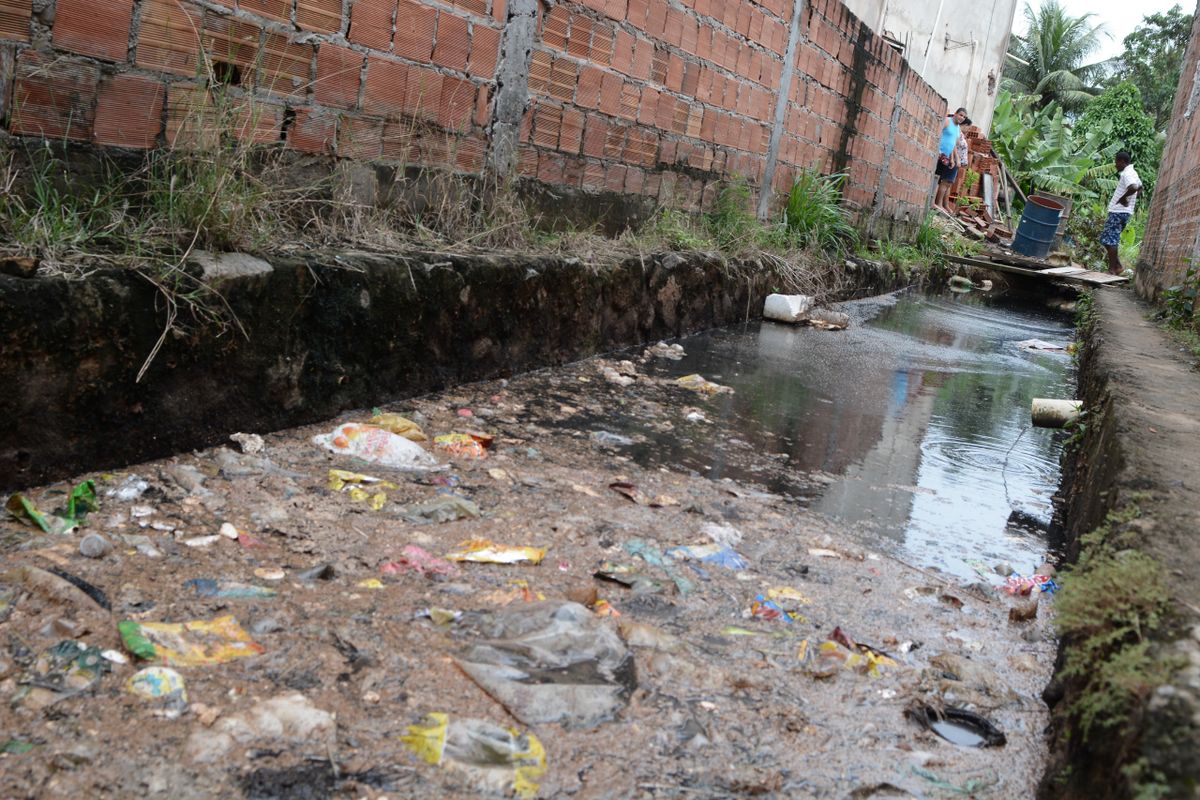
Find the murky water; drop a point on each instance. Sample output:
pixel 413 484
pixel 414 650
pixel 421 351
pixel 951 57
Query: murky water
pixel 912 425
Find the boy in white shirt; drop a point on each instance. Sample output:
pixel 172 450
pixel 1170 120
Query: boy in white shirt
pixel 1120 209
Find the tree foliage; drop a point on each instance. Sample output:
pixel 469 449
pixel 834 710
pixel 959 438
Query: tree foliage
pixel 1118 117
pixel 1152 61
pixel 1050 62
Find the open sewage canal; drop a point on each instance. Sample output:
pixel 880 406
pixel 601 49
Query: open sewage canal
pixel 615 583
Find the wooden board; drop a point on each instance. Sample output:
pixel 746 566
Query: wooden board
pixel 1075 275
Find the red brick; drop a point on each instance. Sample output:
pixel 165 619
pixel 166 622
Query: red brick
pixel 478 7
pixel 594 176
pixel 385 86
pixel 469 155
pixel 322 16
pixel 338 73
pixel 453 43
pixel 231 42
pixel 594 136
pixel 272 9
pixel 539 72
pixel 15 18
pixel 616 9
pixel 286 67
pixel 643 59
pixel 485 50
pixel 399 142
pixel 580 42
pixel 457 103
pixel 98 28
pixel 562 79
pixel 500 11
pixel 169 38
pixel 550 168
pixel 634 180
pixel 636 14
pixel 257 122
pixel 547 125
pixel 371 23
pixel 54 99
pixel 360 137
pixel 312 131
pixel 656 18
pixel 614 141
pixel 648 107
pixel 483 106
pixel 622 57
pixel 527 161
pixel 554 28
pixel 192 119
pixel 614 178
pixel 414 30
pixel 129 111
pixel 630 101
pixel 423 93
pixel 572 131
pixel 602 44
pixel 587 93
pixel 610 94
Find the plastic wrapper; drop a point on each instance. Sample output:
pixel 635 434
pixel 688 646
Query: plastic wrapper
pixel 698 383
pixel 551 662
pixel 81 500
pixel 222 589
pixel 495 759
pixel 157 683
pixel 401 426
pixel 64 670
pixel 188 644
pixel 443 508
pixel 488 552
pixel 361 488
pixel 463 445
pixel 419 560
pixel 377 446
pixel 713 554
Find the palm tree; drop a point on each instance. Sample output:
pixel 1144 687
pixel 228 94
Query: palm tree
pixel 1048 61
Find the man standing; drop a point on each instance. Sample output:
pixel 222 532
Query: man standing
pixel 1120 209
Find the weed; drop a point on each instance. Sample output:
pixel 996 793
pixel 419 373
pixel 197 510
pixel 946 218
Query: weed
pixel 814 217
pixel 676 230
pixel 1180 301
pixel 731 223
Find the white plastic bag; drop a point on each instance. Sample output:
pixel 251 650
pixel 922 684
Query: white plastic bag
pixel 377 446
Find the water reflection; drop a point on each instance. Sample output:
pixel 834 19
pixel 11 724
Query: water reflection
pixel 912 424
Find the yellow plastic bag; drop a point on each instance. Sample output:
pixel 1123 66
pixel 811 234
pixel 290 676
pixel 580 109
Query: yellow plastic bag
pixel 341 480
pixel 486 551
pixel 188 644
pixel 497 759
pixel 401 426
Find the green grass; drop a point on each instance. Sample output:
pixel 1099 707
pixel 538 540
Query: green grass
pixel 814 216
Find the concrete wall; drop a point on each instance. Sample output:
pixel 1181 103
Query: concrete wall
pixel 658 98
pixel 1172 238
pixel 965 70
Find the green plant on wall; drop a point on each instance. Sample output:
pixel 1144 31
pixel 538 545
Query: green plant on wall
pixel 813 216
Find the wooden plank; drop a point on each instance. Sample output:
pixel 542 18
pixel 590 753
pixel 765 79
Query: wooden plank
pixel 1074 276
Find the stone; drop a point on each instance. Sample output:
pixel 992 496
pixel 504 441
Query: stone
pixel 226 266
pixel 95 546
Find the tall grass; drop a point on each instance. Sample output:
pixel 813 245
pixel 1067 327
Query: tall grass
pixel 814 216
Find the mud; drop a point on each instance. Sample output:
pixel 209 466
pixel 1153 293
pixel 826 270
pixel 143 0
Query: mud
pixel 725 703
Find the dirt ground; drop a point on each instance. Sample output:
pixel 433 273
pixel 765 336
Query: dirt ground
pixel 707 700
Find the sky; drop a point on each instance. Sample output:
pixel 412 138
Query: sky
pixel 1119 17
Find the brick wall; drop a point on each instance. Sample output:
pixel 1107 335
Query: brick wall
pixel 650 97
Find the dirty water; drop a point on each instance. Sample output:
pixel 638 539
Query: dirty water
pixel 671 621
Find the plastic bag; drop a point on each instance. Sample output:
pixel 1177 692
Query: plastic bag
pixel 698 383
pixel 188 644
pixel 377 446
pixel 551 662
pixel 443 508
pixel 463 445
pixel 496 759
pixel 401 426
pixel 488 552
pixel 81 500
pixel 713 554
pixel 418 560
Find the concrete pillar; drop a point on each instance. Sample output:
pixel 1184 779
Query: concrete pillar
pixel 512 85
pixel 781 103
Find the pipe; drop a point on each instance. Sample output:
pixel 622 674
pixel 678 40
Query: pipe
pixel 1051 413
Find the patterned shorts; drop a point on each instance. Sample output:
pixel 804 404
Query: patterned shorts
pixel 1111 235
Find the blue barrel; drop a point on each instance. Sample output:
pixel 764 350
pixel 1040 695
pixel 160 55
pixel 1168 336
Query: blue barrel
pixel 1039 222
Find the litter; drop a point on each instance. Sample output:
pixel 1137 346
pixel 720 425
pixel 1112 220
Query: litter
pixel 763 608
pixel 1038 344
pixel 341 480
pixel 610 439
pixel 957 725
pixel 60 585
pixel 289 720
pixel 370 583
pixel 713 554
pixel 202 541
pixel 1018 585
pixel 663 350
pixel 81 500
pixel 401 426
pixel 629 491
pixel 463 445
pixel 94 545
pixel 698 383
pixel 655 558
pixel 321 572
pixel 439 616
pixel 129 489
pixel 228 531
pixel 243 465
pixel 495 759
pixel 589 491
pixel 443 508
pixel 269 573
pixel 250 443
pixel 162 684
pixel 842 652
pixel 627 576
pixel 787 307
pixel 377 446
pixel 417 559
pixel 551 662
pixel 64 670
pixel 723 535
pixel 228 590
pixel 16 747
pixel 188 644
pixel 488 552
pixel 788 595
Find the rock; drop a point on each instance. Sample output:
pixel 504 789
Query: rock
pixel 95 546
pixel 220 266
pixel 249 442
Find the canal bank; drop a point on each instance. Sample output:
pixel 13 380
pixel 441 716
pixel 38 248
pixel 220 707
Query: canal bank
pixel 1126 697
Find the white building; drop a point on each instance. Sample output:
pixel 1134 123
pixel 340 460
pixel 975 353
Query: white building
pixel 957 46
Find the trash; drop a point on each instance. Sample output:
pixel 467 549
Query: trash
pixel 202 541
pixel 188 644
pixel 787 595
pixel 826 320
pixel 249 442
pixel 93 545
pixel 1045 412
pixel 695 416
pixel 420 561
pixel 162 684
pixel 663 350
pixel 627 576
pixel 839 651
pixel 321 572
pixel 115 656
pixel 129 489
pixel 699 384
pixel 663 501
pixel 763 608
pixel 975 787
pixel 228 531
pixel 443 508
pixel 1026 608
pixel 488 552
pixel 821 552
pixel 284 720
pixel 589 491
pixel 629 491
pixel 370 583
pixel 465 412
pixel 638 634
pixel 81 500
pixel 495 759
pixel 787 307
pixel 186 477
pixel 463 445
pixel 610 439
pixel 957 725
pixel 551 662
pixel 269 573
pixel 497 474
pixel 243 465
pixel 401 426
pixel 64 670
pixel 377 446
pixel 603 608
pixel 655 558
pixel 60 585
pixel 439 616
pixel 1016 585
pixel 1038 344
pixel 614 376
pixel 723 535
pixel 228 590
pixel 714 554
pixel 960 282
